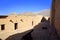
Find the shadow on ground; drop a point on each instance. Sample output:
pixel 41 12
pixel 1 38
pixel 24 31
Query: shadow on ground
pixel 42 31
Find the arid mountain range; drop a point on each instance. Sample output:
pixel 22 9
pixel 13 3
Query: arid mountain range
pixel 43 12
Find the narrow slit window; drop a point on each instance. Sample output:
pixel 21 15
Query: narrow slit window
pixel 15 26
pixel 32 23
pixel 2 26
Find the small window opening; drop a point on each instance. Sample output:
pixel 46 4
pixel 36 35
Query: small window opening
pixel 32 22
pixel 15 26
pixel 2 26
pixel 11 21
pixel 21 20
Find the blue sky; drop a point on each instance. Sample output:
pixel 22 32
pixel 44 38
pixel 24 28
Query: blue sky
pixel 18 6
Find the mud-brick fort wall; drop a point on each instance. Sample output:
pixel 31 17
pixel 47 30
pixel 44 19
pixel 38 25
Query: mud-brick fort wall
pixel 13 24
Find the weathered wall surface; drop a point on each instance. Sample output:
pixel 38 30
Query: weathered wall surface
pixel 55 15
pixel 24 23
